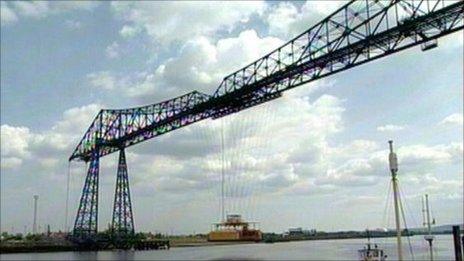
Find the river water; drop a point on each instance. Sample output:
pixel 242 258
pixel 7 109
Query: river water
pixel 342 249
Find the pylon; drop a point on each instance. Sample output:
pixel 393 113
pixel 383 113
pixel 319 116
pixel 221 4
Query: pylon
pixel 86 223
pixel 123 220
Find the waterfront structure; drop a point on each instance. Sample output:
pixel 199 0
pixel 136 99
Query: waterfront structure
pixel 235 229
pixel 357 33
pixel 299 232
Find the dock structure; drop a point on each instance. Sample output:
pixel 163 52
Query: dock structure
pixel 152 245
pixel 127 244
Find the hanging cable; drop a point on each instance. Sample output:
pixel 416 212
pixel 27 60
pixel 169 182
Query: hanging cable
pixel 263 156
pixel 202 133
pixel 214 164
pixel 222 169
pixel 235 159
pixel 245 170
pixel 268 152
pixel 251 149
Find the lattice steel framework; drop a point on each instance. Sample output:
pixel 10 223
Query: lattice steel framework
pixel 86 222
pixel 112 130
pixel 123 220
pixel 358 32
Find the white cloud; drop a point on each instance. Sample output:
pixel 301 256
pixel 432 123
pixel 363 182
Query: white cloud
pixel 355 149
pixel 281 18
pixel 167 22
pixel 390 127
pixel 322 7
pixel 103 79
pixel 346 180
pixel 208 62
pixel 203 64
pixel 33 9
pixel 423 155
pixel 304 126
pixel 62 6
pixel 73 24
pixel 112 51
pixel 14 140
pixel 365 168
pixel 15 143
pixel 20 144
pixel 7 15
pixel 10 162
pixel 431 183
pixel 286 20
pixel 128 31
pixel 40 9
pixel 453 119
pixel 77 119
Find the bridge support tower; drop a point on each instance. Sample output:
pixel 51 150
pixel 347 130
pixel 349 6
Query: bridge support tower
pixel 123 220
pixel 86 222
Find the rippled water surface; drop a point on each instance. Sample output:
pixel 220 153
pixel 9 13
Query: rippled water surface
pixel 317 250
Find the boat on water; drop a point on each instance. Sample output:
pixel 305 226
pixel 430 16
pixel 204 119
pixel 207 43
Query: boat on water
pixel 235 229
pixel 372 254
pixel 369 253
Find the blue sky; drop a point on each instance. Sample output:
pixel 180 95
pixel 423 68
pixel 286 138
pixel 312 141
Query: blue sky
pixel 316 154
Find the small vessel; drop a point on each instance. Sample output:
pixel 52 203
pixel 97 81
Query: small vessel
pixel 371 254
pixel 426 221
pixel 235 229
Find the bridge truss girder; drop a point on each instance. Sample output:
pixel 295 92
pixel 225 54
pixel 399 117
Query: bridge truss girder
pixel 358 32
pixel 343 40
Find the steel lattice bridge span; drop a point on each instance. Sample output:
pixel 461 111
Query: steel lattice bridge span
pixel 358 32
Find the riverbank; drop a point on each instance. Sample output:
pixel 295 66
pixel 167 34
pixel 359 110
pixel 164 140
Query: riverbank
pixel 64 246
pixel 11 249
pixel 345 249
pixel 39 248
pixel 174 242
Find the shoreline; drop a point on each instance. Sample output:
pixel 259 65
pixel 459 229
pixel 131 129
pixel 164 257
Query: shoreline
pixel 173 244
pixel 63 248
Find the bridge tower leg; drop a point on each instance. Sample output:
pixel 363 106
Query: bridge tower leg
pixel 86 223
pixel 123 219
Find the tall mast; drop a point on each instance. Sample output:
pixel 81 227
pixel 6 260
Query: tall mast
pixel 393 160
pixel 423 212
pixel 34 225
pixel 429 237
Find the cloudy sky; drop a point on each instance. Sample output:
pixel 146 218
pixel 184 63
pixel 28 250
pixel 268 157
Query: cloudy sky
pixel 315 158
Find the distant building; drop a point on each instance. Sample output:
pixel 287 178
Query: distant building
pixel 299 232
pixel 58 235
